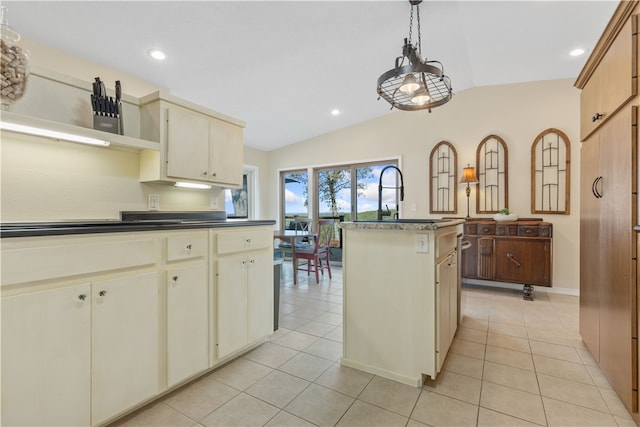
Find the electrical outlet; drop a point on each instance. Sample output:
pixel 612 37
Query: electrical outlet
pixel 214 201
pixel 422 243
pixel 154 202
pixel 414 207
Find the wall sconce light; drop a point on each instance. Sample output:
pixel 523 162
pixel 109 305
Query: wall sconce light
pixel 468 177
pixel 30 130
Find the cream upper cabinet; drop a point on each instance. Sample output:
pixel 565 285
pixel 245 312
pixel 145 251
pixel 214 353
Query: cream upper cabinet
pixel 46 357
pixel 187 145
pixel 225 153
pixel 196 144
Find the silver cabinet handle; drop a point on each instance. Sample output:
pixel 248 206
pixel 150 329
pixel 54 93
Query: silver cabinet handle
pixel 213 174
pixel 174 279
pixel 82 297
pixel 188 247
pixel 248 240
pixel 102 293
pixel 596 117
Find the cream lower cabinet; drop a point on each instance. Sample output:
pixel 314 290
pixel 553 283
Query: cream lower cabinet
pixel 187 322
pixel 46 357
pixel 124 343
pixel 80 336
pixel 447 306
pixel 244 288
pixel 187 292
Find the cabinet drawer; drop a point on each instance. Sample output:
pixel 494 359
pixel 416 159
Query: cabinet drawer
pixel 445 244
pixel 244 240
pixel 470 228
pixel 67 257
pixel 486 229
pixel 185 246
pixel 528 230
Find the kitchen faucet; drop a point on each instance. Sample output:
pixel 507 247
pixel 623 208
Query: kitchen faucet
pixel 380 187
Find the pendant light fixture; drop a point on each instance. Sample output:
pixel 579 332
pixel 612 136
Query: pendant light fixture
pixel 414 83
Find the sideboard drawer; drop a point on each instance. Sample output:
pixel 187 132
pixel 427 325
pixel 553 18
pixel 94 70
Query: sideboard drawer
pixel 486 229
pixel 528 230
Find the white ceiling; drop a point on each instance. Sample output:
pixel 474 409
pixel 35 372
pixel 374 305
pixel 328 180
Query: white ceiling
pixel 282 66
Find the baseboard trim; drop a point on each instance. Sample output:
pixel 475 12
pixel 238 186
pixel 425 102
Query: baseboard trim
pixel 561 291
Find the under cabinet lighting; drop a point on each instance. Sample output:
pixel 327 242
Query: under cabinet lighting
pixel 192 185
pixel 29 130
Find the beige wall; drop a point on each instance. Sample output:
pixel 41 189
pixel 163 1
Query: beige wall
pixel 517 113
pixel 44 180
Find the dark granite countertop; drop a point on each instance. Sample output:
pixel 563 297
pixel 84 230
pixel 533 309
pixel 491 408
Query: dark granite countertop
pixel 159 222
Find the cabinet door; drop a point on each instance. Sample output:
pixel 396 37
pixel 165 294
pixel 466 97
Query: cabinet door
pixel 260 295
pixel 526 260
pixel 231 303
pixel 617 251
pixel 187 145
pixel 590 256
pixel 453 294
pixel 46 358
pixel 443 312
pixel 187 322
pixel 226 153
pixel 470 258
pixel 124 343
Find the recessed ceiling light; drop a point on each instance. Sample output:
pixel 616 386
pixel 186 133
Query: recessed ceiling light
pixel 335 112
pixel 577 52
pixel 157 54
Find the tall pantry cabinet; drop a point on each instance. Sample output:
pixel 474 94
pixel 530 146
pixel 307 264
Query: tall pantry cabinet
pixel 609 203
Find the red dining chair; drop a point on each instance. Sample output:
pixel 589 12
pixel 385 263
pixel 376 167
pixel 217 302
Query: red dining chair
pixel 317 254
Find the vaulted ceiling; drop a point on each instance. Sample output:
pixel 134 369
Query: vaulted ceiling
pixel 283 66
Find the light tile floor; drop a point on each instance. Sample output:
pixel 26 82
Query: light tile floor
pixel 512 363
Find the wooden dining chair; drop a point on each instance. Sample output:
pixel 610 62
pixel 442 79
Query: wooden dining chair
pixel 317 254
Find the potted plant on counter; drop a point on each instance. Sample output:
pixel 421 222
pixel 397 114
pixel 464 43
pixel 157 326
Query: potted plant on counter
pixel 505 215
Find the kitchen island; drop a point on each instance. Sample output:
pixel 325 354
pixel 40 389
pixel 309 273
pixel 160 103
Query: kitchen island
pixel 400 296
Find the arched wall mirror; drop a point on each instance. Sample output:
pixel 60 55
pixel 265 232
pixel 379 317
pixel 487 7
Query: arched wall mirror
pixel 492 192
pixel 550 173
pixel 443 185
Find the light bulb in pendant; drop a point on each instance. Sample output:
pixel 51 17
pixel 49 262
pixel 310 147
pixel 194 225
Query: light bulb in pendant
pixel 421 96
pixel 409 84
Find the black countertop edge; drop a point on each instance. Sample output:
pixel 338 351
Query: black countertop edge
pixel 73 228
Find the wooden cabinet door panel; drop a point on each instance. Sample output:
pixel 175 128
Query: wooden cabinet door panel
pixel 46 358
pixel 590 256
pixel 124 346
pixel 470 258
pixel 617 246
pixel 523 260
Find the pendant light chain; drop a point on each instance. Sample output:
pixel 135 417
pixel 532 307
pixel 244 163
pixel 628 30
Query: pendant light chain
pixel 415 83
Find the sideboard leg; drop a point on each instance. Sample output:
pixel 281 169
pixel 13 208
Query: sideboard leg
pixel 527 292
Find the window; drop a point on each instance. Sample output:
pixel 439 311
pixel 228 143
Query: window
pixel 240 203
pixel 293 196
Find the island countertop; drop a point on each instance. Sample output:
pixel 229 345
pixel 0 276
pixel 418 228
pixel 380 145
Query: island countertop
pixel 407 224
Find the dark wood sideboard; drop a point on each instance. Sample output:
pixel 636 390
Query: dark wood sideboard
pixel 512 252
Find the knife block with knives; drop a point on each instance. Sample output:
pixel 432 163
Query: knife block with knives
pixel 107 110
